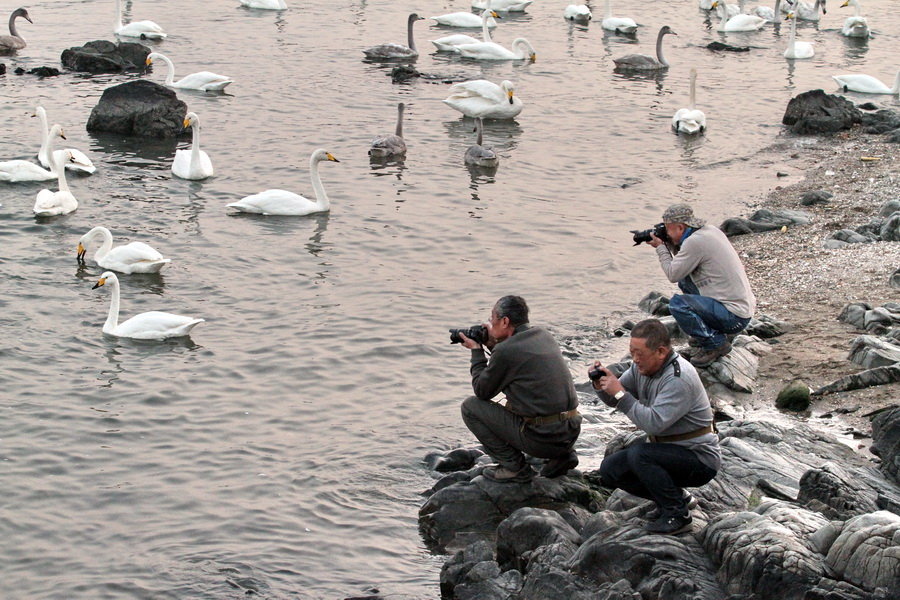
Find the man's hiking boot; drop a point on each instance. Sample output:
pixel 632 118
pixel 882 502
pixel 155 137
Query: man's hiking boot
pixel 556 467
pixel 501 474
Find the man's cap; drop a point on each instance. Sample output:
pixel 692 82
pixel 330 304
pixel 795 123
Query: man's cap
pixel 682 213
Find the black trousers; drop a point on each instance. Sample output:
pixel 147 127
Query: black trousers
pixel 657 472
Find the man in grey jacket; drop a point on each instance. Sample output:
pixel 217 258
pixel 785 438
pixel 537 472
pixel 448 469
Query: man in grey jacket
pixel 717 299
pixel 540 417
pixel 662 394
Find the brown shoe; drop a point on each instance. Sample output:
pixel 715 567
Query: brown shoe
pixel 704 358
pixel 501 474
pixel 556 467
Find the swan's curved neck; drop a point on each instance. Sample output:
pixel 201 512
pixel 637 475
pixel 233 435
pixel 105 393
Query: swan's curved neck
pixel 659 51
pixel 318 188
pixel 608 9
pixel 409 34
pixel 856 11
pixel 118 23
pixel 170 73
pixel 12 26
pixel 112 319
pixel 105 245
pixel 777 11
pixel 195 142
pixel 60 170
pixel 693 90
pixel 43 153
pixel 399 130
pixel 896 88
pixel 793 33
pixel 479 127
pixel 485 30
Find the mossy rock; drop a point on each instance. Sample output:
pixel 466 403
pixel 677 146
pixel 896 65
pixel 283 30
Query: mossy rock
pixel 795 397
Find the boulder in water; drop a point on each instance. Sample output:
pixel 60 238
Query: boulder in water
pixel 138 108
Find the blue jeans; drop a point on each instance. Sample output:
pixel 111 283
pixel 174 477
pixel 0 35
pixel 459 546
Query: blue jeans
pixel 657 472
pixel 702 317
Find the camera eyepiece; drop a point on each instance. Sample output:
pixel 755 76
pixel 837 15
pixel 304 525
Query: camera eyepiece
pixel 476 333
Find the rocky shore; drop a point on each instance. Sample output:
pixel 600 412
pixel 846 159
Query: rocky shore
pixel 796 512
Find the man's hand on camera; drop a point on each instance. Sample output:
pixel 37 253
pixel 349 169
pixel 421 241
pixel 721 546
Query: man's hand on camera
pixel 608 383
pixel 655 241
pixel 468 342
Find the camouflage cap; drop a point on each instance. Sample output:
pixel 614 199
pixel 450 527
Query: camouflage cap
pixel 682 213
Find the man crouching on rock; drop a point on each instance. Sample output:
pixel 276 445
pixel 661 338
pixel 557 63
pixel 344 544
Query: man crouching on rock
pixel 662 394
pixel 540 417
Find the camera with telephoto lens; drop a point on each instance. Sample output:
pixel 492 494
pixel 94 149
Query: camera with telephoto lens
pixel 596 373
pixel 476 333
pixel 659 230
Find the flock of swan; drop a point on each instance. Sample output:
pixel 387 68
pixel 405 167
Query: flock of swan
pixel 479 99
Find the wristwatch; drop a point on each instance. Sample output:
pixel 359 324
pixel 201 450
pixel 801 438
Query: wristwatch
pixel 619 395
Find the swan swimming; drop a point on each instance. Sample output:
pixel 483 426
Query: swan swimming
pixel 806 11
pixel 644 62
pixel 449 43
pixel 14 41
pixel 773 15
pixel 478 155
pixel 202 80
pixel 617 24
pixel 62 202
pixel 855 26
pixel 80 162
pixel 390 145
pixel 15 171
pixel 521 50
pixel 153 325
pixel 194 163
pixel 464 19
pixel 265 4
pixel 139 29
pixel 483 98
pixel 796 49
pixel 280 202
pixel 739 22
pixel 135 257
pixel 391 51
pixel 690 120
pixel 866 84
pixel 577 12
pixel 502 5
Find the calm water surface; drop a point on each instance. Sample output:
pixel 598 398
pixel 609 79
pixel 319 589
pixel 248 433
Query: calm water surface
pixel 278 450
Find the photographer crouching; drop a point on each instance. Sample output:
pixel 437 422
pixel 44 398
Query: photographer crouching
pixel 540 417
pixel 662 394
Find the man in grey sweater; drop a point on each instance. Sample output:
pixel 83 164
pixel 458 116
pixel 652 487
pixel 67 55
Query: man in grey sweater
pixel 717 299
pixel 662 394
pixel 540 417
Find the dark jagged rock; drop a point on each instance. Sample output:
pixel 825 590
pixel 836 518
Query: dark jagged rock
pixel 655 303
pixel 101 56
pixel 893 137
pixel 842 237
pixel 865 553
pixel 855 314
pixel 459 459
pixel 880 122
pixel 736 370
pixel 886 442
pixel 764 220
pixel 815 197
pixel 894 281
pixel 767 327
pixel 2 69
pixel 890 230
pixel 867 106
pixel 863 379
pixel 526 530
pixel 138 108
pixel 832 491
pixel 869 351
pixel 717 46
pixel 403 73
pixel 889 208
pixel 794 396
pixel 815 112
pixel 44 71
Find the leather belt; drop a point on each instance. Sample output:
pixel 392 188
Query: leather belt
pixel 680 437
pixel 563 416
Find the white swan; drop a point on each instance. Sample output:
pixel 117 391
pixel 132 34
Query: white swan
pixel 866 84
pixel 62 202
pixel 855 26
pixel 521 50
pixel 705 4
pixel 690 120
pixel 617 24
pixel 14 41
pixel 577 12
pixel 797 49
pixel 773 15
pixel 280 202
pixel 644 62
pixel 502 5
pixel 394 51
pixel 482 98
pixel 739 22
pixel 15 171
pixel 265 4
pixel 464 19
pixel 139 29
pixel 153 325
pixel 202 80
pixel 136 257
pixel 390 145
pixel 449 43
pixel 193 163
pixel 806 11
pixel 478 155
pixel 80 162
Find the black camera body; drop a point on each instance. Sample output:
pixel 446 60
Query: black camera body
pixel 476 333
pixel 597 372
pixel 659 230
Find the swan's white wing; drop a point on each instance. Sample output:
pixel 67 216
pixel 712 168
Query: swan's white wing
pixel 485 51
pixel 79 161
pixel 22 170
pixel 463 19
pixel 390 51
pixel 448 43
pixel 265 4
pixel 49 203
pixel 744 22
pixel 203 80
pixel 135 252
pixel 155 325
pixel 147 29
pixel 858 82
pixel 478 88
pixel 182 166
pixel 277 202
pixel 622 24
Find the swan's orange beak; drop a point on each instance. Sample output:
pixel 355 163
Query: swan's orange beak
pixel 186 124
pixel 533 56
pixel 100 282
pixel 61 134
pixel 509 95
pixel 149 61
pixel 495 15
pixel 81 252
pixel 331 157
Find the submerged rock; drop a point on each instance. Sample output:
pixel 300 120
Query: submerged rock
pixel 101 56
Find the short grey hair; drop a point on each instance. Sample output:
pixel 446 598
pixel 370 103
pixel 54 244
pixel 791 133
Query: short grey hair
pixel 512 307
pixel 654 332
